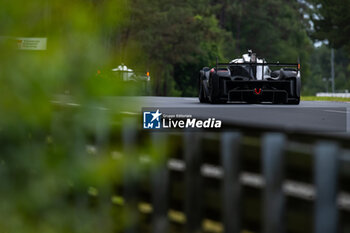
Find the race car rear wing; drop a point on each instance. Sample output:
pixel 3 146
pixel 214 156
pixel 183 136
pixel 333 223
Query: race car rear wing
pixel 272 64
pixel 276 64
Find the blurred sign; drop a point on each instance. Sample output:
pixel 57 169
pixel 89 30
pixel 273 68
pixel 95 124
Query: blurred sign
pixel 27 43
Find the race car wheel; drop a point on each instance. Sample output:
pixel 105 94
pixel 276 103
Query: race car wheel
pixel 202 96
pixel 214 89
pixel 295 101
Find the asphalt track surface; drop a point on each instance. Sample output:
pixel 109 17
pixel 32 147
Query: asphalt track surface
pixel 317 116
pixel 324 117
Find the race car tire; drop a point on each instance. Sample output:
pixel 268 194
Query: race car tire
pixel 201 95
pixel 294 102
pixel 214 89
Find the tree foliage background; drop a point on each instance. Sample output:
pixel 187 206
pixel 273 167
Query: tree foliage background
pixel 331 26
pixel 180 37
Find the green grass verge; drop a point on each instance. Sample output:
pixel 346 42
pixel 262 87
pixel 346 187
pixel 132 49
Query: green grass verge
pixel 314 98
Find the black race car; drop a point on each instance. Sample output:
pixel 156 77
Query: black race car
pixel 250 79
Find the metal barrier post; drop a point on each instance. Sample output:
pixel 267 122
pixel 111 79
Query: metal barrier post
pixel 231 187
pixel 273 170
pixel 193 182
pixel 160 184
pixel 130 175
pixel 326 175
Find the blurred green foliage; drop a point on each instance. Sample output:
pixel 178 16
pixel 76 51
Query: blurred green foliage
pixel 50 176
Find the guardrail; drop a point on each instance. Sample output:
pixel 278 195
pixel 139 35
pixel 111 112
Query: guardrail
pixel 239 181
pixel 235 183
